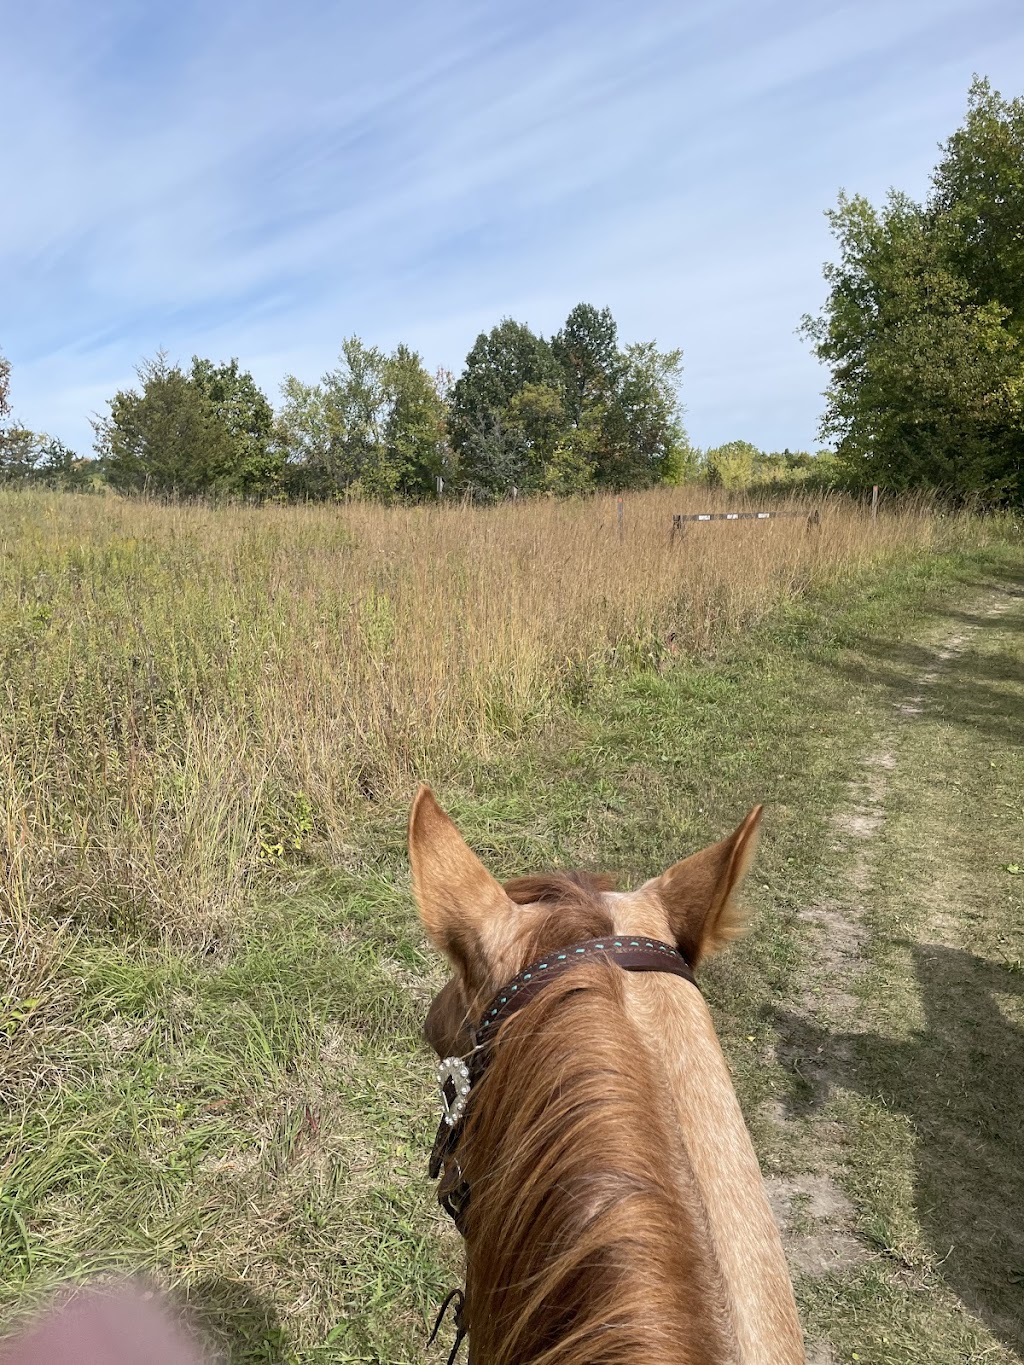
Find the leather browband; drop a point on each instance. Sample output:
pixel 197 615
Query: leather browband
pixel 631 953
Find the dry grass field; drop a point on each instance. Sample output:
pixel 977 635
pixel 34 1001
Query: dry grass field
pixel 212 724
pixel 192 693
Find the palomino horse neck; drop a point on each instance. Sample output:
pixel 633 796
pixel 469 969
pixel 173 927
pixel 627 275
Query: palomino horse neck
pixel 617 1209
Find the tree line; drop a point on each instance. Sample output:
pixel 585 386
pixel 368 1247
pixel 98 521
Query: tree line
pixel 922 333
pixel 379 425
pixel 526 415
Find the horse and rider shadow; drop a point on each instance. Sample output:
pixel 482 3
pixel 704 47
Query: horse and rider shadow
pixel 241 1323
pixel 959 1080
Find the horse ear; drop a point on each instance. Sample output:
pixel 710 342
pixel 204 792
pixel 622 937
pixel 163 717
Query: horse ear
pixel 698 892
pixel 460 903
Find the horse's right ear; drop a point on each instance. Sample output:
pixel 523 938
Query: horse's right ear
pixel 699 892
pixel 460 903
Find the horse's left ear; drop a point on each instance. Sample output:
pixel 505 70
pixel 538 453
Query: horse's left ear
pixel 463 908
pixel 698 893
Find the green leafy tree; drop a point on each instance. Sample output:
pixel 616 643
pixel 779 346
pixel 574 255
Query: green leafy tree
pixel 205 432
pixel 5 392
pixel 519 417
pixel 642 436
pixel 21 452
pixel 684 463
pixel 922 328
pixel 978 196
pixel 782 468
pixel 535 428
pixel 567 416
pixel 12 435
pixel 622 405
pixel 29 457
pixel 304 436
pixel 415 431
pixel 166 438
pixel 925 385
pixel 488 442
pixel 357 398
pixel 732 465
pixel 374 426
pixel 237 401
pixel 587 352
pixel 59 467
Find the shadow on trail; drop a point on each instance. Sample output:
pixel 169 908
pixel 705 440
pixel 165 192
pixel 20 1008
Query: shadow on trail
pixel 975 695
pixel 969 619
pixel 960 1082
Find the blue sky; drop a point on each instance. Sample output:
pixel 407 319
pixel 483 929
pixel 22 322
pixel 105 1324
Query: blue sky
pixel 259 180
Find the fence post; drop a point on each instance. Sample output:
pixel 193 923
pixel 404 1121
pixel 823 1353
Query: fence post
pixel 618 514
pixel 874 502
pixel 440 485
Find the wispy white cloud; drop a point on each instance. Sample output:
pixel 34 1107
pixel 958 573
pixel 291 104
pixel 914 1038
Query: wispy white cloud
pixel 259 181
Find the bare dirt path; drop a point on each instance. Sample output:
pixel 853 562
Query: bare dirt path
pixel 892 803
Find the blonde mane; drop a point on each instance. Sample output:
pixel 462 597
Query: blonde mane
pixel 581 1250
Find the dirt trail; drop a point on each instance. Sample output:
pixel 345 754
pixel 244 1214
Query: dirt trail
pixel 815 1215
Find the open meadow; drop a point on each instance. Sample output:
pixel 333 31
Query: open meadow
pixel 194 693
pixel 214 719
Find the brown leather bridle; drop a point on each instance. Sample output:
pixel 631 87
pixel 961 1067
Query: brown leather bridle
pixel 458 1076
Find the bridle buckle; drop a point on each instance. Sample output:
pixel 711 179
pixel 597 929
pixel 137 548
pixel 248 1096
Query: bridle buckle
pixel 454 1084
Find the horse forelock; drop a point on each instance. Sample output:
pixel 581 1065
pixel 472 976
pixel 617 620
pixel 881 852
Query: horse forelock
pixel 559 888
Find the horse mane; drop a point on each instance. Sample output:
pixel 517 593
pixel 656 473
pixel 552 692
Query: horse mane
pixel 581 1251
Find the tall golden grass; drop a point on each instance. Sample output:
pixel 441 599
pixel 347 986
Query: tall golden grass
pixel 190 691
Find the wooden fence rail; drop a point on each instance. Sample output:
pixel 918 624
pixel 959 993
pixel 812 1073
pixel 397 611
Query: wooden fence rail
pixel 679 520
